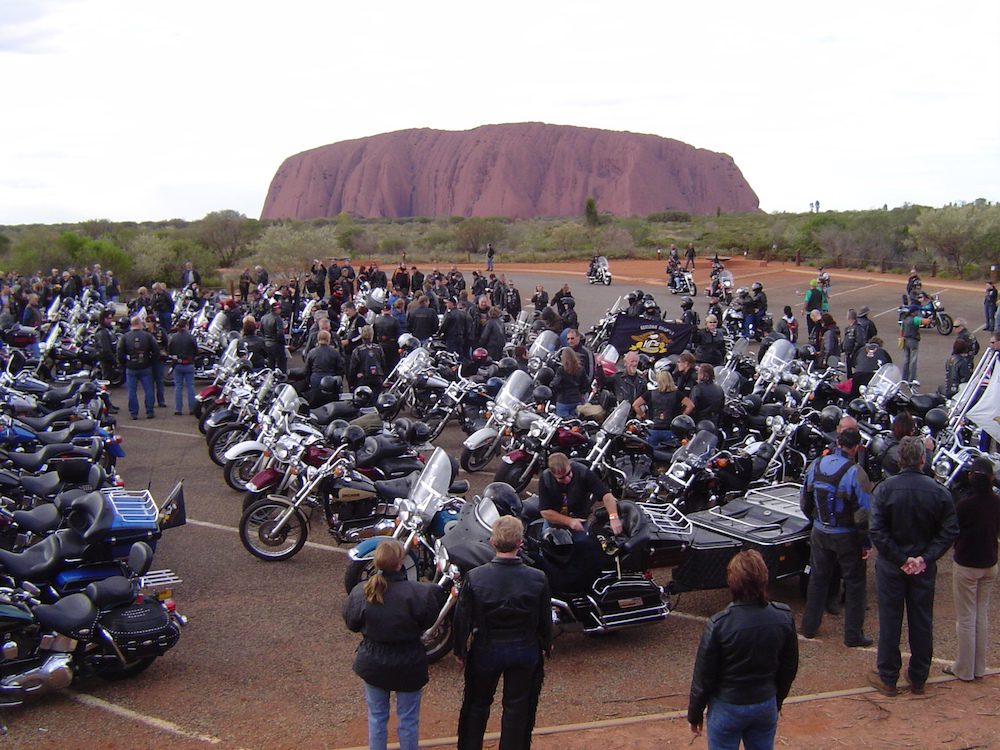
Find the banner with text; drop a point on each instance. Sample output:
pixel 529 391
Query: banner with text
pixel 655 338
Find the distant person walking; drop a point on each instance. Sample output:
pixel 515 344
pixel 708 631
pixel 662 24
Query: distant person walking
pixel 689 257
pixel 490 254
pixel 990 306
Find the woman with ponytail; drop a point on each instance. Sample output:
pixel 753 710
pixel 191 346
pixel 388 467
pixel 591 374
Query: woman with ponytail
pixel 392 613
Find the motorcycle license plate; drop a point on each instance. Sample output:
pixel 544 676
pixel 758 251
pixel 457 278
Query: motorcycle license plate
pixel 634 601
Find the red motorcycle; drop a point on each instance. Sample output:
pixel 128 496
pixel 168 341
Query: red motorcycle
pixel 538 436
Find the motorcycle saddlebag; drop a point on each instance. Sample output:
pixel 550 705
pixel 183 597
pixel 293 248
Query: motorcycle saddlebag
pixel 142 629
pixel 781 538
pixel 704 564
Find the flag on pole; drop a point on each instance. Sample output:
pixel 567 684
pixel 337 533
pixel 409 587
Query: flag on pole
pixel 653 337
pixel 986 412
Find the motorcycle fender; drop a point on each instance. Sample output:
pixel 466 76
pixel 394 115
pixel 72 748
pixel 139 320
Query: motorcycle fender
pixel 247 446
pixel 208 393
pixel 264 480
pixel 479 438
pixel 365 549
pixel 516 456
pixel 221 417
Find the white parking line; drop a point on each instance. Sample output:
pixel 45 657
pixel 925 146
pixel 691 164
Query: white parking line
pixel 220 527
pixel 162 724
pixel 885 312
pixel 856 289
pixel 121 425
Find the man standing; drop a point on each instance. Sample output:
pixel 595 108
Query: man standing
pixel 910 333
pixel 272 329
pixel 836 496
pixel 990 306
pixel 137 350
pixel 503 610
pixel 490 254
pixel 689 257
pixel 183 348
pixel 913 523
pixel 189 276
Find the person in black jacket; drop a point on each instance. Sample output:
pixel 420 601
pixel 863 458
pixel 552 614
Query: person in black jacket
pixel 746 663
pixel 423 321
pixel 503 611
pixel 391 613
pixel 710 344
pixel 183 348
pixel 367 365
pixel 492 338
pixel 272 328
pixel 137 350
pixel 707 398
pixel 105 345
pixel 323 360
pixel 252 345
pixel 387 332
pixel 912 524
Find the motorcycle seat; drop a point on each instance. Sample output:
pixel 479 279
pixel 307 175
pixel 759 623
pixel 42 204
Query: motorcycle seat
pixel 41 561
pixel 62 436
pixel 45 422
pixel 459 487
pixel 379 447
pixel 393 488
pixel 402 465
pixel 34 461
pixel 662 456
pixel 111 592
pixel 924 402
pixel 92 516
pixel 44 485
pixel 38 520
pixel 324 415
pixel 70 615
pixel 60 393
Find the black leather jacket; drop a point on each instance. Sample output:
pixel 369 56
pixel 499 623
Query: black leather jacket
pixel 272 329
pixel 748 653
pixel 503 601
pixel 912 516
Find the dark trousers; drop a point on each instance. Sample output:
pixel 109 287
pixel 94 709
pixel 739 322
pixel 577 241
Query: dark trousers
pixel 829 550
pixel 521 666
pixel 897 590
pixel 276 356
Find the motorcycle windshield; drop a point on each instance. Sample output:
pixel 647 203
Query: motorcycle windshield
pixel 218 326
pixel 698 451
pixel 516 392
pixel 53 312
pixel 885 382
pixel 621 305
pixel 417 361
pixel 546 343
pixel 601 262
pixel 616 421
pixel 432 485
pixel 728 380
pixel 231 356
pixel 726 277
pixel 53 339
pixel 778 356
pixel 608 354
pixel 286 402
pixel 524 318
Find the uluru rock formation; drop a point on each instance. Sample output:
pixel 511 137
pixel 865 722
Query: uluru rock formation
pixel 517 170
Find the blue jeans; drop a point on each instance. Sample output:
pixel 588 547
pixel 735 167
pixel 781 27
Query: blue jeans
pixel 754 723
pixel 566 411
pixel 658 437
pixel 183 383
pixel 407 712
pixel 132 380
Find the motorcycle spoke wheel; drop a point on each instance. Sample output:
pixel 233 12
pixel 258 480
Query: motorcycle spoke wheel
pixel 945 325
pixel 222 440
pixel 478 459
pixel 258 534
pixel 438 641
pixel 517 475
pixel 240 470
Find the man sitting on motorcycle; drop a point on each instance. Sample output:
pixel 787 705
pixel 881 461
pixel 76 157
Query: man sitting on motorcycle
pixel 592 268
pixel 566 493
pixel 674 273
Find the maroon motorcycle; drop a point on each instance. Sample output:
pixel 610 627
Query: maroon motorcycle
pixel 538 436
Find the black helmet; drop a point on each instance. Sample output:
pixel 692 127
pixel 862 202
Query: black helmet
pixel 756 286
pixel 544 375
pixel 329 383
pixel 860 408
pixel 631 298
pixel 752 403
pixel 363 396
pixel 418 434
pixel 706 425
pixel 480 356
pixel 541 394
pixel 402 427
pixel 830 417
pixel 506 366
pixel 557 545
pixel 408 342
pixel 336 432
pixel 638 294
pixel 494 384
pixel 569 302
pixel 354 436
pixel 687 303
pixel 504 498
pixel 936 419
pixel 386 403
pixel 648 303
pixel 682 426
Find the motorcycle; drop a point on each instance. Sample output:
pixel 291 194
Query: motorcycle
pixel 481 447
pixel 682 282
pixel 535 437
pixel 932 314
pixel 722 286
pixel 599 272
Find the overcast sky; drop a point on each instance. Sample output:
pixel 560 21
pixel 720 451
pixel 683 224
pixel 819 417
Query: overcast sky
pixel 140 111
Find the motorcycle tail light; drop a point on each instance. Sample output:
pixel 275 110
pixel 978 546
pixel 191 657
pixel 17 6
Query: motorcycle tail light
pixel 119 439
pixel 575 428
pixel 721 462
pixel 171 605
pixel 119 482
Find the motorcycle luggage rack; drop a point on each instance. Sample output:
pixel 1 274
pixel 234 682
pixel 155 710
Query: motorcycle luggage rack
pixel 159 579
pixel 781 497
pixel 733 521
pixel 133 506
pixel 667 518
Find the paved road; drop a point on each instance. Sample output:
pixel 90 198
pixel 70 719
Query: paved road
pixel 265 661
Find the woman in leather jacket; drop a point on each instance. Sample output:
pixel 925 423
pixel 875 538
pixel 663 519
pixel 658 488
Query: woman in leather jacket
pixel 391 612
pixel 746 663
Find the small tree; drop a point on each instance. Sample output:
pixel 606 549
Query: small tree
pixel 227 234
pixel 590 213
pixel 475 233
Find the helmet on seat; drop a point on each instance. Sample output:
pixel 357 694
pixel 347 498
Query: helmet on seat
pixel 557 545
pixel 936 419
pixel 544 375
pixel 506 366
pixel 504 498
pixel 829 418
pixel 329 383
pixel 354 436
pixel 682 426
pixel 419 433
pixel 336 432
pixel 386 403
pixel 541 394
pixel 363 396
pixel 402 427
pixel 480 356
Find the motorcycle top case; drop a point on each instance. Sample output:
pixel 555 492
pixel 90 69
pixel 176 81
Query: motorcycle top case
pixel 133 519
pixel 781 538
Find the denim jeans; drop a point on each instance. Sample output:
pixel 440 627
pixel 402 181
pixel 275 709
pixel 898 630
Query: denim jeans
pixel 755 724
pixel 658 437
pixel 132 380
pixel 183 383
pixel 407 713
pixel 566 411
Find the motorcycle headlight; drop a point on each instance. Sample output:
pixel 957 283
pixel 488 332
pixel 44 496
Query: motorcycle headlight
pixel 500 413
pixel 535 431
pixel 765 373
pixel 405 510
pixel 441 553
pixel 941 470
pixel 281 452
pixel 802 383
pixel 679 471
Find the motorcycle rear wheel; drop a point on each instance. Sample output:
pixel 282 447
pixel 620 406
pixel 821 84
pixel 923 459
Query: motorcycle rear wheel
pixel 116 672
pixel 477 459
pixel 256 531
pixel 945 325
pixel 517 475
pixel 224 438
pixel 237 471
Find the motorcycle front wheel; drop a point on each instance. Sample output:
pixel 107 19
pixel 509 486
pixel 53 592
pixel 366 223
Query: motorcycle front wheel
pixel 945 324
pixel 261 540
pixel 473 460
pixel 607 281
pixel 238 471
pixel 438 641
pixel 224 438
pixel 518 475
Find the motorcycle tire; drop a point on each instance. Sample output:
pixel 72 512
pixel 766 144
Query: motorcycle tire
pixel 236 472
pixel 945 325
pixel 205 414
pixel 252 496
pixel 694 289
pixel 223 438
pixel 439 640
pixel 478 459
pixel 516 475
pixel 114 672
pixel 256 536
pixel 607 281
pixel 436 423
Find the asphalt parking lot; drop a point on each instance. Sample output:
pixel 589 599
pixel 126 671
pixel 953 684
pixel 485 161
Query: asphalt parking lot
pixel 266 661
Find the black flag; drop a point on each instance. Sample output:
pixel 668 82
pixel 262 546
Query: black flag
pixel 655 338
